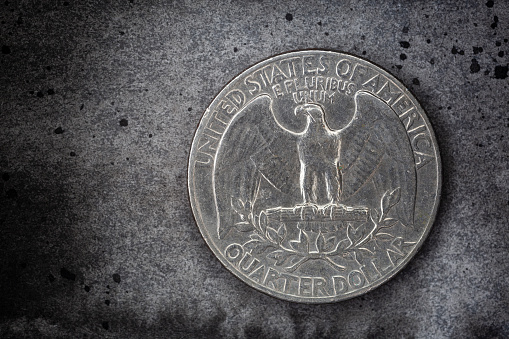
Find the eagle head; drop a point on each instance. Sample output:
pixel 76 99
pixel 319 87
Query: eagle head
pixel 314 112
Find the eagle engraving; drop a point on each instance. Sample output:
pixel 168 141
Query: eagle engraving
pixel 262 164
pixel 318 150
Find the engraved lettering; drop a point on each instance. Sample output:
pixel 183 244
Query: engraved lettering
pixel 299 87
pixel 323 65
pixel 316 89
pixel 383 264
pixel 356 279
pixel 394 254
pixel 271 277
pixel 287 85
pixel 291 285
pixel 277 90
pixel 340 284
pixel 278 74
pixel 387 94
pixel 258 274
pixel 416 129
pixel 297 99
pixel 207 147
pixel 216 126
pixel 222 117
pixel 306 286
pixel 359 73
pixel 311 96
pixel 370 271
pixel 351 88
pixel 410 119
pixel 237 98
pixel 270 78
pixel 334 84
pixel 233 252
pixel 227 106
pixel 252 85
pixel 319 82
pixel 260 74
pixel 248 263
pixel 309 82
pixel 319 285
pixel 343 68
pixel 403 107
pixel 421 142
pixel 232 102
pixel 294 66
pixel 422 159
pixel 203 159
pixel 312 65
pixel 372 83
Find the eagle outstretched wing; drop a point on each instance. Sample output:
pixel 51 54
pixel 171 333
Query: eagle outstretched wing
pixel 376 158
pixel 254 152
pixel 257 163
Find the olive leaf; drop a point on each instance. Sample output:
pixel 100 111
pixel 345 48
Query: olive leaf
pixel 387 222
pixel 373 214
pixel 257 246
pixel 238 205
pixel 243 226
pixel 364 252
pixel 282 231
pixel 343 245
pixel 384 237
pixel 263 247
pixel 280 256
pixel 406 247
pixel 320 243
pixel 352 234
pixel 397 246
pixel 390 199
pixel 300 245
pixel 273 235
pixel 251 244
pixel 326 244
pixel 256 237
pixel 294 262
pixel 254 220
pixel 370 246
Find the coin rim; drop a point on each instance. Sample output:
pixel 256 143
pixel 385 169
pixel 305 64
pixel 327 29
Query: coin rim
pixel 312 300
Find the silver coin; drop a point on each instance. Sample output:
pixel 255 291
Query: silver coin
pixel 314 176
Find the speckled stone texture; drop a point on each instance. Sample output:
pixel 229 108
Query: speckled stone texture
pixel 98 104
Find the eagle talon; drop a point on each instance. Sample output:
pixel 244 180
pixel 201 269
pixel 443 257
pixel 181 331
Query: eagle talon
pixel 328 210
pixel 306 211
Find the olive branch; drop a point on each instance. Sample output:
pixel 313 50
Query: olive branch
pixel 357 240
pixel 389 200
pixel 333 251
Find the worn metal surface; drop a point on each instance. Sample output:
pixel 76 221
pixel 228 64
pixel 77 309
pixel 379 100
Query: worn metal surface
pixel 314 176
pixel 99 104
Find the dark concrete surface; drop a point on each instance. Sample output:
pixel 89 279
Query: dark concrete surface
pixel 98 104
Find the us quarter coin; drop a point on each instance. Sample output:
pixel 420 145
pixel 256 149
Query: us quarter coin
pixel 314 176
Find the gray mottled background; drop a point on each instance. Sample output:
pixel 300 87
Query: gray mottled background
pixel 98 104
